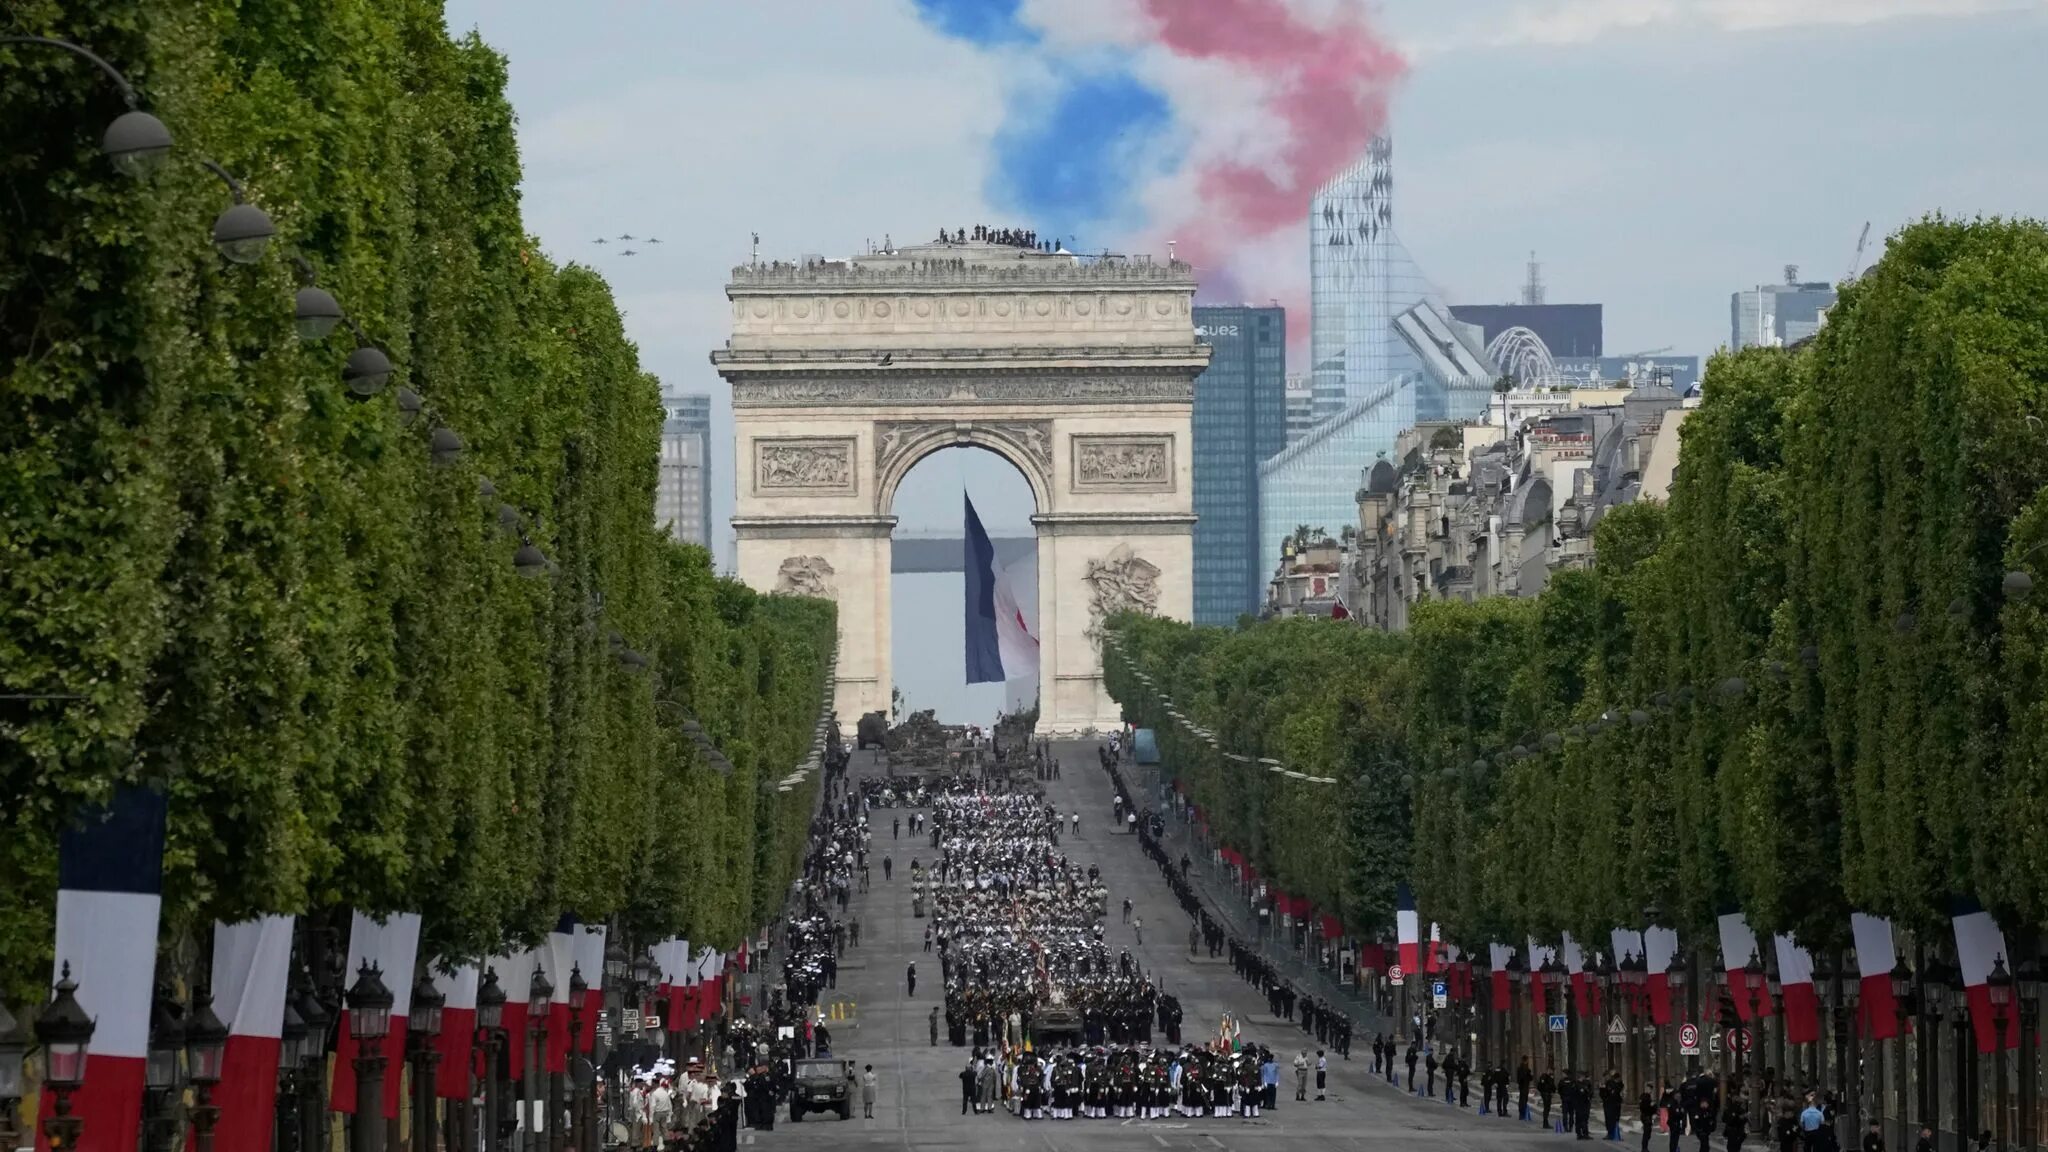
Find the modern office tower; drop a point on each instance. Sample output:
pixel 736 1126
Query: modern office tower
pixel 1240 420
pixel 682 498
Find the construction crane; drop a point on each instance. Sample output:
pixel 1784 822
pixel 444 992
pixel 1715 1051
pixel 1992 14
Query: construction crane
pixel 1856 262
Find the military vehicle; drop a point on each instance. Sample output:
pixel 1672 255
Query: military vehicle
pixel 873 731
pixel 1053 1025
pixel 822 1086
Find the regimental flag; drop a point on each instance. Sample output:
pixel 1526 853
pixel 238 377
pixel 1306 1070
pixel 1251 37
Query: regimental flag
pixel 1000 645
pixel 393 946
pixel 251 969
pixel 515 979
pixel 1876 1007
pixel 109 893
pixel 1409 928
pixel 1498 956
pixel 1738 945
pixel 1660 947
pixel 457 984
pixel 1802 1004
pixel 1539 955
pixel 1979 947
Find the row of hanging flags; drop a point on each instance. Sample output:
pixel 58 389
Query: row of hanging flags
pixel 1979 946
pixel 110 884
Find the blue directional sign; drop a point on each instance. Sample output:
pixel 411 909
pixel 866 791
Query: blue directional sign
pixel 1557 1023
pixel 1439 989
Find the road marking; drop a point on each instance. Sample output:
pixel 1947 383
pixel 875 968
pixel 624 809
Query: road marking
pixel 1162 1140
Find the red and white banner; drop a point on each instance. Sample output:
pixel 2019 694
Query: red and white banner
pixel 1979 947
pixel 1802 1003
pixel 1660 947
pixel 515 979
pixel 456 1044
pixel 394 947
pixel 675 962
pixel 251 969
pixel 1497 956
pixel 1738 946
pixel 110 869
pixel 1876 1008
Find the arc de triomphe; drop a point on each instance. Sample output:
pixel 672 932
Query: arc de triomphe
pixel 1078 372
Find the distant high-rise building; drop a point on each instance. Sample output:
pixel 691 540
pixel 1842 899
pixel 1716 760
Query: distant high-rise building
pixel 1778 314
pixel 682 496
pixel 1240 419
pixel 1351 261
pixel 1300 406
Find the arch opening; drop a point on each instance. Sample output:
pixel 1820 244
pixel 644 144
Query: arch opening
pixel 929 586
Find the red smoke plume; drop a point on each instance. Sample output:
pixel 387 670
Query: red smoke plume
pixel 1329 87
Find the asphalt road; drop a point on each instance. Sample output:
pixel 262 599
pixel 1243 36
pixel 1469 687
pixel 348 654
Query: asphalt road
pixel 918 1105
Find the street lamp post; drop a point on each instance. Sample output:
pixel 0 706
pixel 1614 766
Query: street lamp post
pixel 1934 997
pixel 1756 984
pixel 2028 977
pixel 533 1097
pixel 1675 977
pixel 423 1032
pixel 1902 1000
pixel 1518 977
pixel 1849 1072
pixel 13 1057
pixel 162 1082
pixel 206 1044
pixel 572 1108
pixel 136 143
pixel 1631 972
pixel 312 1071
pixel 2000 989
pixel 65 1032
pixel 490 1020
pixel 369 1022
pixel 291 1050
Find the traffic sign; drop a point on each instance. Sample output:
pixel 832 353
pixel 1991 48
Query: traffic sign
pixel 631 1023
pixel 1714 1043
pixel 1617 1032
pixel 1557 1023
pixel 651 1022
pixel 1440 994
pixel 1739 1039
pixel 1395 975
pixel 1688 1039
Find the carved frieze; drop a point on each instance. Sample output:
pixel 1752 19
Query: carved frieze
pixel 805 576
pixel 1121 582
pixel 955 390
pixel 896 439
pixel 1122 463
pixel 804 465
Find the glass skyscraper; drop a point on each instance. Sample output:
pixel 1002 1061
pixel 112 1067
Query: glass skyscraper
pixel 682 499
pixel 1385 354
pixel 1240 419
pixel 1351 281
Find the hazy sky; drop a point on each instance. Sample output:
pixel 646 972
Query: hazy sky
pixel 1656 154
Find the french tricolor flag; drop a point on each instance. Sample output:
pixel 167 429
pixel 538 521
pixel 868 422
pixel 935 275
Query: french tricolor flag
pixel 1539 955
pixel 1738 945
pixel 251 969
pixel 1627 943
pixel 1876 953
pixel 457 984
pixel 394 947
pixel 109 893
pixel 1802 1003
pixel 1979 947
pixel 1409 928
pixel 1498 956
pixel 1660 947
pixel 1000 645
pixel 515 978
pixel 590 958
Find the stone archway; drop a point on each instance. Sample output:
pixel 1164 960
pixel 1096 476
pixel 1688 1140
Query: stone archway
pixel 1079 373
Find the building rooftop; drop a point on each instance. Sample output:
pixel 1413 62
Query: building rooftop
pixel 962 262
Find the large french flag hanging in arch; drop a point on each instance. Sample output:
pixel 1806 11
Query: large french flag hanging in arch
pixel 110 870
pixel 1000 645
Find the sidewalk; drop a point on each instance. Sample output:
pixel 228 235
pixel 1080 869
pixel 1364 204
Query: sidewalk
pixel 1291 965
